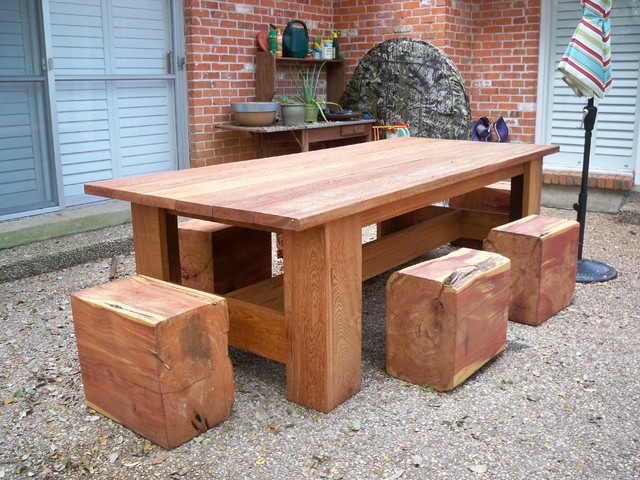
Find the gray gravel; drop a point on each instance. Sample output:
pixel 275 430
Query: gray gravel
pixel 560 402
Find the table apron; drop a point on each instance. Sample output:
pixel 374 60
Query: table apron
pixel 399 207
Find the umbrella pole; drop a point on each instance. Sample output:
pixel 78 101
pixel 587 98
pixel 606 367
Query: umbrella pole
pixel 589 270
pixel 590 112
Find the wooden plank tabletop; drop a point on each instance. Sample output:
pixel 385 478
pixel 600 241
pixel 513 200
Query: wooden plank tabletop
pixel 299 191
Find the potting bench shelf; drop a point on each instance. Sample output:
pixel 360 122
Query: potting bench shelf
pixel 266 69
pixel 353 130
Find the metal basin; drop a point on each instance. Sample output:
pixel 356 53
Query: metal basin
pixel 254 114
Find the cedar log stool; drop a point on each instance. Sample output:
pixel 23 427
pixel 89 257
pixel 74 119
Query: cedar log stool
pixel 220 258
pixel 154 357
pixel 447 317
pixel 492 198
pixel 543 253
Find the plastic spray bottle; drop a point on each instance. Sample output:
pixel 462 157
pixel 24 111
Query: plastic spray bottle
pixel 278 43
pixel 272 41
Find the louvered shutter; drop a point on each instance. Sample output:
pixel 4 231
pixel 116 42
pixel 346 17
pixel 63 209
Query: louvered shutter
pixel 615 137
pixel 112 128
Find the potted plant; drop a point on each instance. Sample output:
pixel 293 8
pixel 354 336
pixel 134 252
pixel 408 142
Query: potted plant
pixel 307 88
pixel 293 113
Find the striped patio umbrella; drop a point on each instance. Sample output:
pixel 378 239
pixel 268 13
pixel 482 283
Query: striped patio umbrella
pixel 586 68
pixel 586 64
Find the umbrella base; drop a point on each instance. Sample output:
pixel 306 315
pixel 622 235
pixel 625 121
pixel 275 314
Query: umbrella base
pixel 591 271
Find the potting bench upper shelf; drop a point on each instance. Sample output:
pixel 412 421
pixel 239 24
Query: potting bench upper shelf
pixel 267 65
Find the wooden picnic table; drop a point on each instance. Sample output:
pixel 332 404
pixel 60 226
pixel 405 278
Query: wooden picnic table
pixel 310 317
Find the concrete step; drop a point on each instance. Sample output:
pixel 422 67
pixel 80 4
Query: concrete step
pixel 65 222
pixel 45 243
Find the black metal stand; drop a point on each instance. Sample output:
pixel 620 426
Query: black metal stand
pixel 589 270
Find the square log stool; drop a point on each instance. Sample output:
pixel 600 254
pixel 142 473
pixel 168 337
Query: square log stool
pixel 220 258
pixel 447 317
pixel 154 357
pixel 492 198
pixel 544 255
pixel 483 209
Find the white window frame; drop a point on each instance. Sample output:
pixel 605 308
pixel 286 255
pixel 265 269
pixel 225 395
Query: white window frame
pixel 545 77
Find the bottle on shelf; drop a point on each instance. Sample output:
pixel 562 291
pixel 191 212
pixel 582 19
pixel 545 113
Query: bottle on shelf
pixel 272 41
pixel 317 50
pixel 336 48
pixel 278 43
pixel 327 49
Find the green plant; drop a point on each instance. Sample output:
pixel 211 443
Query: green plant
pixel 308 87
pixel 284 99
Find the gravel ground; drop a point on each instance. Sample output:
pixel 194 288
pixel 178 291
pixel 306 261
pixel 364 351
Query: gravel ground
pixel 560 402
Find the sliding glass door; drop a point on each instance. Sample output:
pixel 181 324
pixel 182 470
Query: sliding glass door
pixel 89 90
pixel 115 90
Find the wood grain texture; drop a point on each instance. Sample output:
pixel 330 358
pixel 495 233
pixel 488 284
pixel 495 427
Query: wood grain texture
pixel 155 238
pixel 268 293
pixel 532 187
pixel 543 253
pixel 256 319
pixel 323 310
pixel 319 200
pixel 477 225
pixel 257 329
pixel 325 185
pixel 265 76
pixel 430 197
pixel 154 357
pixel 220 258
pixel 483 209
pixel 410 242
pixel 409 219
pixel 492 198
pixel 446 317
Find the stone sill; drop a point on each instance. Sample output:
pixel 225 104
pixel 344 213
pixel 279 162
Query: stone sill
pixel 604 181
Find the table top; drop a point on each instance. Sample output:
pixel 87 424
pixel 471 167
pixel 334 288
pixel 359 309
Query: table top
pixel 303 190
pixel 290 128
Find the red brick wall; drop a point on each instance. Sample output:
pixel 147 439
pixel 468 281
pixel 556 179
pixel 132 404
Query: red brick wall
pixel 221 45
pixel 504 73
pixel 493 44
pixel 435 21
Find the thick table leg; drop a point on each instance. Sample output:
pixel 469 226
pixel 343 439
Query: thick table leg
pixel 526 190
pixel 155 239
pixel 323 313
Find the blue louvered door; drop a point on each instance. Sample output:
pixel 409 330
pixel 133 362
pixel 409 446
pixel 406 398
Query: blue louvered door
pixel 87 93
pixel 114 89
pixel 27 179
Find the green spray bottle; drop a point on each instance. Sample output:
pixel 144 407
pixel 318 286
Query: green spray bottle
pixel 272 39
